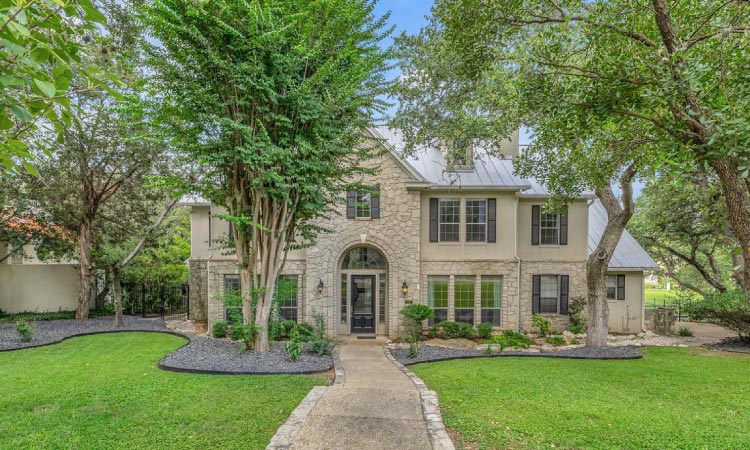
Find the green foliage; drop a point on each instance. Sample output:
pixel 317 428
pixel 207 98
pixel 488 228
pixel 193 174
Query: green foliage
pixel 220 329
pixel 544 325
pixel 245 333
pixel 293 349
pixel 34 316
pixel 452 330
pixel 555 340
pixel 729 310
pixel 484 330
pixel 103 375
pixel 305 332
pixel 44 47
pixel 510 338
pixel 321 343
pixel 415 315
pixel 25 330
pixel 684 332
pixel 575 312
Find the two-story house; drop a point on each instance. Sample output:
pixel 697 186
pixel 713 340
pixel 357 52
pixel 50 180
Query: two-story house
pixel 454 229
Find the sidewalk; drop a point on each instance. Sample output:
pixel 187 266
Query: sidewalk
pixel 377 407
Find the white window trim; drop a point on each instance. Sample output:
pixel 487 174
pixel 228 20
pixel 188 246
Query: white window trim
pixel 542 228
pixel 484 224
pixel 441 223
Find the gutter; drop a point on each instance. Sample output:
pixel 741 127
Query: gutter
pixel 519 327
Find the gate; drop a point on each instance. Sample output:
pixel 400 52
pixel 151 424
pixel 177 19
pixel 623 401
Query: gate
pixel 168 301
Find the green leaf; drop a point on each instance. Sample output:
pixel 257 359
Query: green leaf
pixel 21 113
pixel 30 169
pixel 11 80
pixel 47 88
pixel 5 122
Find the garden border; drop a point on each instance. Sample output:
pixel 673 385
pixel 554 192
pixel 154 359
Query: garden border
pixel 514 354
pixel 439 438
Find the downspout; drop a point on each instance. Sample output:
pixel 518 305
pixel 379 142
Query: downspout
pixel 519 327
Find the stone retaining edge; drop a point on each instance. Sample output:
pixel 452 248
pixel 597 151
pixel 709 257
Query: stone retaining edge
pixel 439 438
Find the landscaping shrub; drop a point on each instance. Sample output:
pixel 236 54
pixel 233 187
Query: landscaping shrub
pixel 305 332
pixel 684 332
pixel 321 343
pixel 220 329
pixel 484 330
pixel 245 333
pixel 555 340
pixel 293 350
pixel 511 338
pixel 33 316
pixel 727 309
pixel 287 328
pixel 544 325
pixel 452 330
pixel 25 330
pixel 415 315
pixel 575 312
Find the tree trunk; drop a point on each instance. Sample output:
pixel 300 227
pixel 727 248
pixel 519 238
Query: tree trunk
pixel 84 269
pixel 100 296
pixel 598 262
pixel 117 288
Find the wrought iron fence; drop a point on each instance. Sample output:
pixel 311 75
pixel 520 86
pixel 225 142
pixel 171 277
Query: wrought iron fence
pixel 679 306
pixel 156 300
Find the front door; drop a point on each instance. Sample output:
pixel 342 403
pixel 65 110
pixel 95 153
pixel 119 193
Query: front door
pixel 363 303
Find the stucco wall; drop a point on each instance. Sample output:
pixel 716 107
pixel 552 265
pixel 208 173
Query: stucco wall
pixel 578 234
pixel 38 287
pixel 626 316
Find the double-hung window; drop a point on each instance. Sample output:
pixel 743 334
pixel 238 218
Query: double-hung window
pixel 437 297
pixel 463 299
pixel 615 287
pixel 364 205
pixel 286 297
pixel 548 294
pixel 450 219
pixel 490 299
pixel 550 229
pixel 232 299
pixel 476 220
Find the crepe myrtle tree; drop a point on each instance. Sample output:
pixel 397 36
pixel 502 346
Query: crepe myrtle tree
pixel 611 90
pixel 272 99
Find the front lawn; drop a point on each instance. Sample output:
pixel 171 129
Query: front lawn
pixel 105 392
pixel 674 398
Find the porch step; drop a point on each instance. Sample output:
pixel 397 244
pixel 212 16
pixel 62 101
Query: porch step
pixel 367 336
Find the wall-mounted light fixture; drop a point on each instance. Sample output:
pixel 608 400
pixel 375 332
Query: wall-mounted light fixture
pixel 320 286
pixel 405 289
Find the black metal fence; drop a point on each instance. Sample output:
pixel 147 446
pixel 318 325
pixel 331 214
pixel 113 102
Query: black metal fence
pixel 678 305
pixel 156 300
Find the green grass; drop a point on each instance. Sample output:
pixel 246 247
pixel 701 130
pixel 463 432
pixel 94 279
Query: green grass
pixel 660 297
pixel 674 398
pixel 105 392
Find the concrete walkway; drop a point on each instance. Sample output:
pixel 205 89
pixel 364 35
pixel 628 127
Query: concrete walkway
pixel 377 407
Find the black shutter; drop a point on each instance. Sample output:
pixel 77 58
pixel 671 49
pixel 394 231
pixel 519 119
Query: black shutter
pixel 433 220
pixel 536 290
pixel 351 204
pixel 564 282
pixel 620 287
pixel 491 220
pixel 375 203
pixel 564 228
pixel 535 225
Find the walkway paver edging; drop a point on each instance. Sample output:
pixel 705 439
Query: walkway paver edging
pixel 287 433
pixel 439 438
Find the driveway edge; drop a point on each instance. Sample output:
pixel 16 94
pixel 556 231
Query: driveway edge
pixel 439 438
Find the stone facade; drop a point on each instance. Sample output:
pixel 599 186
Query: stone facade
pixel 198 280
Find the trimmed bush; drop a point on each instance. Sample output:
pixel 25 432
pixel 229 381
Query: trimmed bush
pixel 484 330
pixel 220 329
pixel 728 310
pixel 452 330
pixel 511 338
pixel 25 330
pixel 555 340
pixel 544 325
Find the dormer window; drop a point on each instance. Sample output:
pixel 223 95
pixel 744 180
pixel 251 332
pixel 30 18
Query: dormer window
pixel 459 155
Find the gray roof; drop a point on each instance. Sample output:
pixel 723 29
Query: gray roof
pixel 490 171
pixel 629 255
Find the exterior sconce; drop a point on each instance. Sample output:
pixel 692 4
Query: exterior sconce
pixel 320 286
pixel 405 289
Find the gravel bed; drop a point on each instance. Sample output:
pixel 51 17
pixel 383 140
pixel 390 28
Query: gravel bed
pixel 731 344
pixel 53 331
pixel 208 355
pixel 429 353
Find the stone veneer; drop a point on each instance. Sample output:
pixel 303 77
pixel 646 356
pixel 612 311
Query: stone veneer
pixel 576 288
pixel 198 281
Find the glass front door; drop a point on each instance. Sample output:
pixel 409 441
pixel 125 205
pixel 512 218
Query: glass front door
pixel 363 303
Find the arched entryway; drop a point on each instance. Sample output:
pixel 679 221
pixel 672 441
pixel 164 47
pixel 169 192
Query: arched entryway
pixel 364 291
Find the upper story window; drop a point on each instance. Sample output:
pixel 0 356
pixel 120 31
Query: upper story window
pixel 450 219
pixel 459 155
pixel 548 228
pixel 363 204
pixel 476 220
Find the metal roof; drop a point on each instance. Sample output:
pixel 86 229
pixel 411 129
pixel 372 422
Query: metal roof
pixel 629 255
pixel 489 171
pixel 193 200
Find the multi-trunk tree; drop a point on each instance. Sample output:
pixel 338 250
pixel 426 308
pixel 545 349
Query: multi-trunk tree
pixel 611 90
pixel 271 98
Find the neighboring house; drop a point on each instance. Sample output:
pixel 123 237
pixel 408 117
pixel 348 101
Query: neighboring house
pixel 28 284
pixel 454 229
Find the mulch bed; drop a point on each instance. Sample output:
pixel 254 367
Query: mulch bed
pixel 731 344
pixel 430 353
pixel 199 355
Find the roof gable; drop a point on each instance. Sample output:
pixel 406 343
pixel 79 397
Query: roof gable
pixel 629 255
